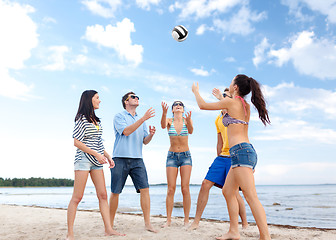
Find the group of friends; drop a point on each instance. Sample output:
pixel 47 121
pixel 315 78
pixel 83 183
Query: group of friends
pixel 232 170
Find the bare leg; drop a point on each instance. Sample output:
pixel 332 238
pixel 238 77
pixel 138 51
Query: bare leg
pixel 185 172
pixel 98 180
pixel 244 177
pixel 242 210
pixel 229 190
pixel 145 206
pixel 77 195
pixel 202 201
pixel 114 200
pixel 171 182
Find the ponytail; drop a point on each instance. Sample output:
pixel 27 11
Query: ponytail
pixel 246 85
pixel 258 101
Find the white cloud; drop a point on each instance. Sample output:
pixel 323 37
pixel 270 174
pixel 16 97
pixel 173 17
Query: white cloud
pixel 259 52
pixel 16 42
pixel 12 88
pixel 56 59
pixel 103 8
pixel 201 72
pixel 145 4
pixel 117 37
pixel 241 23
pixel 201 29
pixel 230 59
pixel 203 8
pixel 49 20
pixel 309 55
pixel 296 130
pixel 301 102
pixel 327 7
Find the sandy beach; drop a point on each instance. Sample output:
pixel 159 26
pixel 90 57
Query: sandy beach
pixel 20 222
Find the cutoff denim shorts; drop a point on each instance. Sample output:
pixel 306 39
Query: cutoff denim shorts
pixel 178 159
pixel 84 164
pixel 243 155
pixel 135 167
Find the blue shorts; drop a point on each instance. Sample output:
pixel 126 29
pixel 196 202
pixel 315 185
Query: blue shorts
pixel 84 164
pixel 178 159
pixel 219 170
pixel 134 167
pixel 243 155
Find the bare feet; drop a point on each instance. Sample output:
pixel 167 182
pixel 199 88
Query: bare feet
pixel 70 237
pixel 186 223
pixel 228 236
pixel 114 232
pixel 245 225
pixel 150 228
pixel 167 224
pixel 193 226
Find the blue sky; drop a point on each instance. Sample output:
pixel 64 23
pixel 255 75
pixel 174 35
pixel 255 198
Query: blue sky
pixel 51 51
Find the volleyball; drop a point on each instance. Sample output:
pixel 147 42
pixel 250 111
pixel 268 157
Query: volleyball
pixel 180 33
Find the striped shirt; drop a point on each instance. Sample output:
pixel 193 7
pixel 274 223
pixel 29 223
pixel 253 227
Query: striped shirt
pixel 91 136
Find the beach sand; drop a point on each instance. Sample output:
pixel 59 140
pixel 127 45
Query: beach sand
pixel 19 222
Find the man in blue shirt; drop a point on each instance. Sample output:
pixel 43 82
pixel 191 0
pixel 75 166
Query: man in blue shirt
pixel 130 135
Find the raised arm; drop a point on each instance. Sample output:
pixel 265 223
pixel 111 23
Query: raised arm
pixel 164 121
pixel 189 122
pixel 131 128
pixel 222 104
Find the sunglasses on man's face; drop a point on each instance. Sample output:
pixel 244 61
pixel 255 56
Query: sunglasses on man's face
pixel 132 96
pixel 178 104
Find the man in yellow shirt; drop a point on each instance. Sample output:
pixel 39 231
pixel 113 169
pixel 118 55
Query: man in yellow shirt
pixel 218 170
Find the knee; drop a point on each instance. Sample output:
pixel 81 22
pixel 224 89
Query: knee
pixel 102 196
pixel 77 199
pixel 171 190
pixel 185 189
pixel 250 196
pixel 206 185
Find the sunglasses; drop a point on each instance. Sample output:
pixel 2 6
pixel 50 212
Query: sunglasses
pixel 178 104
pixel 226 95
pixel 132 96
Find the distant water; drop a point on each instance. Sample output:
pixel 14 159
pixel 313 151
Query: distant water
pixel 300 205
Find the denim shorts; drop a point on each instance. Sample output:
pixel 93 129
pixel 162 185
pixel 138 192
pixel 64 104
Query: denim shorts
pixel 243 155
pixel 84 164
pixel 135 167
pixel 219 170
pixel 178 159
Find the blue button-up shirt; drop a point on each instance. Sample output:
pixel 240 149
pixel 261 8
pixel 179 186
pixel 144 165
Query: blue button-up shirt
pixel 128 146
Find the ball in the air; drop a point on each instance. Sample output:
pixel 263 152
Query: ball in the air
pixel 180 33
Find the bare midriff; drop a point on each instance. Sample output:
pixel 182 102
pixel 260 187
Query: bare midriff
pixel 178 144
pixel 237 133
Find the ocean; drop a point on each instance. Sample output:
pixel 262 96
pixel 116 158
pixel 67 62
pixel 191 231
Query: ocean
pixel 295 205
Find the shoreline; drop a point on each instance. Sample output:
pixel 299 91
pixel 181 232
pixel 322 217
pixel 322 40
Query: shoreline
pixel 176 217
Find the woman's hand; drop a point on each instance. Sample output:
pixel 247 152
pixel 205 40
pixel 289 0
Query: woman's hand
pixel 188 116
pixel 164 107
pixel 111 162
pixel 195 88
pixel 217 93
pixel 101 158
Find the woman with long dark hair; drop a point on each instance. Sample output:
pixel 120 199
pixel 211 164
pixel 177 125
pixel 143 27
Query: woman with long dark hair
pixel 243 155
pixel 89 159
pixel 179 128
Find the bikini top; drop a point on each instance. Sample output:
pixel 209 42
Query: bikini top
pixel 227 119
pixel 172 130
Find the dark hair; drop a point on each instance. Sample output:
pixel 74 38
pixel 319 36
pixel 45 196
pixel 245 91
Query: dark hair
pixel 86 108
pixel 123 99
pixel 245 86
pixel 226 89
